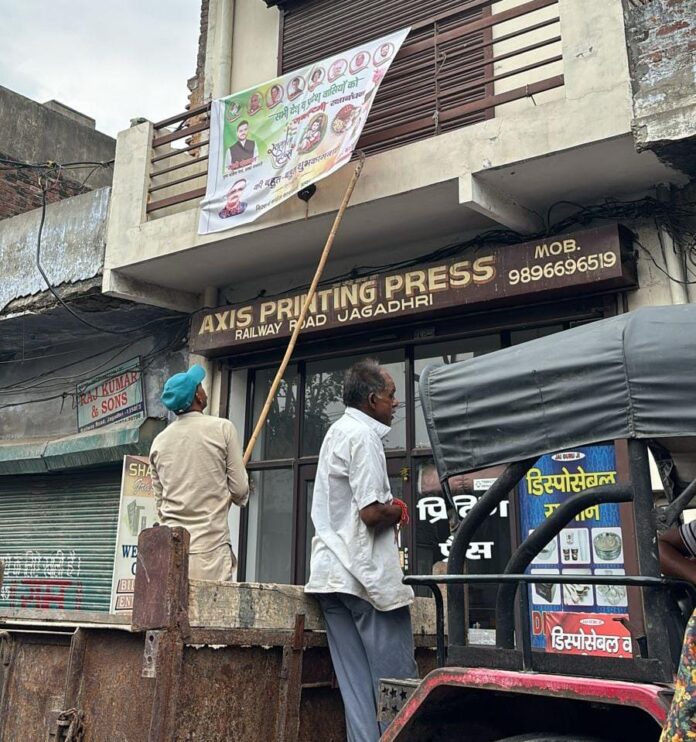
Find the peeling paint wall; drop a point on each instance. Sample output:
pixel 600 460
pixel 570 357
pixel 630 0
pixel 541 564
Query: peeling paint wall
pixel 72 245
pixel 661 39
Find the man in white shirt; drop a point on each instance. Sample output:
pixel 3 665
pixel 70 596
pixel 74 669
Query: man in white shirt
pixel 355 571
pixel 197 473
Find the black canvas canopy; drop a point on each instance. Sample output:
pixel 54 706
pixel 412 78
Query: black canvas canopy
pixel 631 376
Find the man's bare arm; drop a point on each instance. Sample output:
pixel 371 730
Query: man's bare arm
pixel 380 516
pixel 675 560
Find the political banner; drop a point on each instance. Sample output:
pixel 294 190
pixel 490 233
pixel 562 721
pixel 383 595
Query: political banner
pixel 271 141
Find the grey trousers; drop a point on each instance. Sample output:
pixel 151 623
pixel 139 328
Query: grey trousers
pixel 366 645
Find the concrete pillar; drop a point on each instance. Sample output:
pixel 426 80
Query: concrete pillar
pixel 218 65
pixel 211 383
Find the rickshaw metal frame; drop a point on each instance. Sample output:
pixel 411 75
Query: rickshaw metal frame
pixel 637 366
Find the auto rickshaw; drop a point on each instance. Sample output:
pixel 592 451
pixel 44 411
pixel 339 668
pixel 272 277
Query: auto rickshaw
pixel 595 663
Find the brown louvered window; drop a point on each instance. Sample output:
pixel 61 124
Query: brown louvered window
pixel 436 79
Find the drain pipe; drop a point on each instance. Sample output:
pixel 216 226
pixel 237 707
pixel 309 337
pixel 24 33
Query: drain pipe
pixel 674 259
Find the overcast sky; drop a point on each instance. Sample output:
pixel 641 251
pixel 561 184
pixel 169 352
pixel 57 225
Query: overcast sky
pixel 113 60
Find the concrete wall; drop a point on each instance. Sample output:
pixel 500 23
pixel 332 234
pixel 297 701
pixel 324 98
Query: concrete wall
pixel 254 44
pixel 31 132
pixel 661 38
pixel 73 238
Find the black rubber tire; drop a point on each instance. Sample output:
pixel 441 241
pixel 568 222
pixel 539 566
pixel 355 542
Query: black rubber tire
pixel 549 737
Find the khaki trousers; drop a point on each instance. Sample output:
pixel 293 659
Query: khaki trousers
pixel 217 565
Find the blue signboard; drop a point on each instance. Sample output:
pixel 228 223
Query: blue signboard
pixel 592 544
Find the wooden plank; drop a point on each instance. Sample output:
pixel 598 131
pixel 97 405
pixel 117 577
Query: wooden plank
pixel 203 108
pixel 272 607
pixel 177 151
pixel 64 618
pixel 172 183
pixel 192 161
pixel 479 25
pixel 173 200
pixel 180 134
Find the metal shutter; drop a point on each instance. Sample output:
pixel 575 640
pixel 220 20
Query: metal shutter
pixel 57 539
pixel 436 72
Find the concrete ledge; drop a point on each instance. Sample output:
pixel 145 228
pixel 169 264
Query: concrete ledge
pixel 248 605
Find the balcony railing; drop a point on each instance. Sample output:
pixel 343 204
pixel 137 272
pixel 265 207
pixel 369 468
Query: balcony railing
pixel 453 70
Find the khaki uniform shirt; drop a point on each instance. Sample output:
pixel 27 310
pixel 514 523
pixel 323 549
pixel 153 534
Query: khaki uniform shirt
pixel 197 473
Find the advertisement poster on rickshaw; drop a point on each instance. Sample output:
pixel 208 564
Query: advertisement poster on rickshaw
pixel 576 618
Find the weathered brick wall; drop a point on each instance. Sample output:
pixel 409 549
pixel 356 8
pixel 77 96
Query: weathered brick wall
pixel 20 190
pixel 196 83
pixel 661 39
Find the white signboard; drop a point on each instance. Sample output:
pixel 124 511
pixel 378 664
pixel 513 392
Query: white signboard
pixel 137 511
pixel 114 396
pixel 271 141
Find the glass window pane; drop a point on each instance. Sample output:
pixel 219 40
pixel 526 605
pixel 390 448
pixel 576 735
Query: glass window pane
pixel 309 493
pixel 269 536
pixel 441 353
pixel 277 439
pixel 532 333
pixel 324 399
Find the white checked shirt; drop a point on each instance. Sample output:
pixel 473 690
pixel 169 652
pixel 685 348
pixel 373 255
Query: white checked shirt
pixel 347 556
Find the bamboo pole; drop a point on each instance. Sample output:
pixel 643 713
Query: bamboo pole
pixel 305 308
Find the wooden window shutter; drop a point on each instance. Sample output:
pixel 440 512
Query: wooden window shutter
pixel 436 72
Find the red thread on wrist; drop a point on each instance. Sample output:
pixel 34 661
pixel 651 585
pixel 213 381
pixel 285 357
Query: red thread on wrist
pixel 404 511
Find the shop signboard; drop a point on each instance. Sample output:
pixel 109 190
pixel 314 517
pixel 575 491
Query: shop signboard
pixel 576 618
pixel 432 515
pixel 585 260
pixel 114 396
pixel 271 141
pixel 137 511
pixel 487 553
pixel 598 634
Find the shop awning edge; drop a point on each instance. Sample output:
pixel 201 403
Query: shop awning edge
pixel 106 446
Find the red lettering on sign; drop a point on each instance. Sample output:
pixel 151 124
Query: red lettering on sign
pixel 50 593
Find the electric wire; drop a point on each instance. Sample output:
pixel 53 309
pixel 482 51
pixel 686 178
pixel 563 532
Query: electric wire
pixel 146 362
pixel 672 216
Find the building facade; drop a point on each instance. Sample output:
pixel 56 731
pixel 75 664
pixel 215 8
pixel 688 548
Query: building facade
pixel 514 186
pixel 80 373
